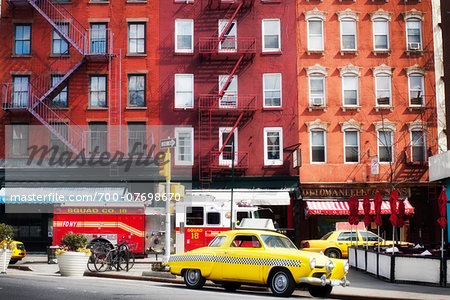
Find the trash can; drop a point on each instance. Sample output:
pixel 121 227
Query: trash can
pixel 51 256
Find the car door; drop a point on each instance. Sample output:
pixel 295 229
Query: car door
pixel 344 240
pixel 242 259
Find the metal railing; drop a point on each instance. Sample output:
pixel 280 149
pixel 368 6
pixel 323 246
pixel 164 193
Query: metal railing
pixel 225 158
pixel 227 45
pixel 234 102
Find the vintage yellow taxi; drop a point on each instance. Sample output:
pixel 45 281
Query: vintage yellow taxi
pixel 259 257
pixel 335 243
pixel 18 249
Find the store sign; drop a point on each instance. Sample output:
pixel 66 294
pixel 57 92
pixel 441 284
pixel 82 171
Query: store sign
pixel 374 166
pixel 347 192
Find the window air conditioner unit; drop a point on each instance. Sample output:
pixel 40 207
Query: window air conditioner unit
pixel 383 101
pixel 317 101
pixel 416 101
pixel 413 46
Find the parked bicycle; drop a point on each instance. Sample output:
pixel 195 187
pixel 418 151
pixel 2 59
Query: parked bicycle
pixel 105 257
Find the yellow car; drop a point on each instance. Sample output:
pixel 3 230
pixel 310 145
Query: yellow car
pixel 18 249
pixel 335 244
pixel 259 257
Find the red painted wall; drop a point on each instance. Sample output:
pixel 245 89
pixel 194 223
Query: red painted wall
pixel 335 170
pixel 250 77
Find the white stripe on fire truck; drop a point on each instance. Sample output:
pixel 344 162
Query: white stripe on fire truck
pixel 237 260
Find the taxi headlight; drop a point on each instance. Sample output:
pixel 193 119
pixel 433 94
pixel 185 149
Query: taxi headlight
pixel 330 266
pixel 312 263
pixel 346 267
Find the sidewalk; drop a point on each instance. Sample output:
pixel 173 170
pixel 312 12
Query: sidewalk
pixel 362 286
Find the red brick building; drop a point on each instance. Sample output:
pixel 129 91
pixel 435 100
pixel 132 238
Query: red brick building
pixel 367 106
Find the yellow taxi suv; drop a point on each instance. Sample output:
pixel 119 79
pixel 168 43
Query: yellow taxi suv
pixel 18 249
pixel 259 257
pixel 335 244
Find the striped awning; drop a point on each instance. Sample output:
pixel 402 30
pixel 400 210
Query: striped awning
pixel 320 207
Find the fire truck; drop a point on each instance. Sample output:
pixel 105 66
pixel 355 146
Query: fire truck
pixel 199 221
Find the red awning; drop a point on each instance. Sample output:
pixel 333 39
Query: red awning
pixel 319 207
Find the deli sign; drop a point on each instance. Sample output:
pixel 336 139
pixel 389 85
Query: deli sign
pixel 347 192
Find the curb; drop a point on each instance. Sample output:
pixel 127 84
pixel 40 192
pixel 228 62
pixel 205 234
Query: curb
pixel 21 268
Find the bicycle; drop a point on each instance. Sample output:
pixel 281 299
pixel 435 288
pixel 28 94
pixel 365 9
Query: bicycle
pixel 98 249
pixel 118 257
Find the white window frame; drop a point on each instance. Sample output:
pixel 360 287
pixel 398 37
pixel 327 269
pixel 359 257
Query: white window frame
pixel 230 97
pixel 184 130
pixel 191 23
pixel 414 19
pixel 423 88
pixel 355 33
pixel 359 146
pixel 231 37
pixel 379 75
pixel 424 144
pixel 316 76
pixel 264 22
pixel 322 34
pixel 357 89
pixel 264 90
pixel 324 146
pixel 385 20
pixel 176 104
pixel 379 145
pixel 273 162
pixel 228 162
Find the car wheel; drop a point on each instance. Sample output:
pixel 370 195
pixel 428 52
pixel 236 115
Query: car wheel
pixel 282 284
pixel 193 279
pixel 231 286
pixel 13 261
pixel 320 291
pixel 333 253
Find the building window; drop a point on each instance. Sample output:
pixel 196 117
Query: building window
pixel 348 34
pixel 383 89
pixel 351 140
pixel 318 146
pixel 59 44
pixel 315 35
pixel 137 137
pixel 60 100
pixel 184 151
pixel 226 157
pixel 184 36
pixel 416 89
pixel 229 98
pixel 417 146
pixel 20 90
pixel 55 141
pixel 136 38
pixel 271 35
pixel 380 34
pixel 184 90
pixel 194 215
pixel 350 90
pixel 385 146
pixel 414 34
pixel 99 38
pixel 22 39
pixel 228 43
pixel 273 146
pixel 98 138
pixel 97 91
pixel 272 90
pixel 317 90
pixel 136 90
pixel 19 139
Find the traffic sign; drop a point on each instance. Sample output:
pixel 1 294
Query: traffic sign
pixel 168 143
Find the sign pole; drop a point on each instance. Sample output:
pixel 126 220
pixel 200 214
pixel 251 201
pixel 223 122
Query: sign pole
pixel 232 183
pixel 167 239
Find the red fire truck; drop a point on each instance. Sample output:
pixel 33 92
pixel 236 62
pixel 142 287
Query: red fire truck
pixel 198 222
pixel 106 223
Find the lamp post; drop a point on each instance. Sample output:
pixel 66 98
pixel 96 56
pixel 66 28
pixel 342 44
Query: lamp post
pixel 232 182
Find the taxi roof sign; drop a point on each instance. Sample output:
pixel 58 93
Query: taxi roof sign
pixel 259 224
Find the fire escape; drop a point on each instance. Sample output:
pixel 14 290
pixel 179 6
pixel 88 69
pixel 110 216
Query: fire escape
pixel 36 96
pixel 227 108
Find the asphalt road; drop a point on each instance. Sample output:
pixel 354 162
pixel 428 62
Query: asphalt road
pixel 36 287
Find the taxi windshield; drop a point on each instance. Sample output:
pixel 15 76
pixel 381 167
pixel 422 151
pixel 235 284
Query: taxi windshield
pixel 273 241
pixel 217 241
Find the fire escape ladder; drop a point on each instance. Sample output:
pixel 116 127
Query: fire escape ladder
pixel 57 16
pixel 205 173
pixel 230 21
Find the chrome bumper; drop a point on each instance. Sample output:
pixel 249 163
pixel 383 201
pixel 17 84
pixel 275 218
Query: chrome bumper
pixel 324 281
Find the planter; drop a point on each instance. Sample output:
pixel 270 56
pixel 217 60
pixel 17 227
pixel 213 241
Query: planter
pixel 4 262
pixel 72 264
